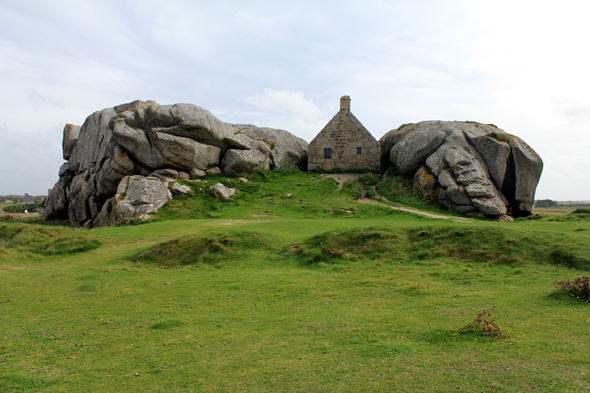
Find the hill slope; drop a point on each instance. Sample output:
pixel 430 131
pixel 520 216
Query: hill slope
pixel 309 292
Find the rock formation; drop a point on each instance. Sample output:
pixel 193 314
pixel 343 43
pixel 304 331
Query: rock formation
pixel 135 145
pixel 474 168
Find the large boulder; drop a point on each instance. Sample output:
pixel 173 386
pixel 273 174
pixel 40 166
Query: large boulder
pixel 143 138
pixel 478 168
pixel 285 148
pixel 136 196
pixel 71 134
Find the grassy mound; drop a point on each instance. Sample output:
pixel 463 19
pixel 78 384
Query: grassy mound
pixel 210 249
pixel 491 245
pixel 45 240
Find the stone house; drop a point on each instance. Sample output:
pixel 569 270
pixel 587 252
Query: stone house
pixel 25 199
pixel 344 143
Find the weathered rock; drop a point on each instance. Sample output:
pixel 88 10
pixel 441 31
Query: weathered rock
pixel 286 148
pixel 143 137
pixel 426 183
pixel 107 216
pixel 160 150
pixel 527 170
pixel 222 191
pixel 71 134
pixel 64 169
pixel 213 171
pixel 244 161
pixel 136 195
pixel 94 142
pixel 479 167
pixel 248 155
pixel 180 189
pixel 411 152
pixel 56 204
pixel 495 154
pixel 167 174
pixel 194 172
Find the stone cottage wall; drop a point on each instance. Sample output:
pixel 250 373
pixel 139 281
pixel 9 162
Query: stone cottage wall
pixel 344 134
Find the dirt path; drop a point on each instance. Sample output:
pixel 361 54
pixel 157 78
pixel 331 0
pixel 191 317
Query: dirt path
pixel 342 177
pixel 410 210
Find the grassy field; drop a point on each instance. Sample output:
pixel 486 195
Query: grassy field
pixel 293 286
pixel 553 210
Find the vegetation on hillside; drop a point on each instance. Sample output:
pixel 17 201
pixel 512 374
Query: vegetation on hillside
pixel 295 285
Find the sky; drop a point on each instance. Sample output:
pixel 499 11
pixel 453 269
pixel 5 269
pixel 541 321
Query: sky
pixel 521 65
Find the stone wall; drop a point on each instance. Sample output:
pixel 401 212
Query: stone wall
pixel 350 144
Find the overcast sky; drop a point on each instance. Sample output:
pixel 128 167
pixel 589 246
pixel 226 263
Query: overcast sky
pixel 521 65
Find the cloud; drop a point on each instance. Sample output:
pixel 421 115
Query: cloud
pixel 519 65
pixel 287 110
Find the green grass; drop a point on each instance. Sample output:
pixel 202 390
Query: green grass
pixel 264 295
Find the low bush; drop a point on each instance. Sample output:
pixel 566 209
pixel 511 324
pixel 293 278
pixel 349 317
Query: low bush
pixel 352 188
pixel 20 208
pixel 480 328
pixel 485 326
pixel 369 179
pixel 579 288
pixel 370 193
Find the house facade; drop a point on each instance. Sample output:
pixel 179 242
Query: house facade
pixel 25 199
pixel 344 143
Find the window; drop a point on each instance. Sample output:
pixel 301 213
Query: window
pixel 327 152
pixel 359 150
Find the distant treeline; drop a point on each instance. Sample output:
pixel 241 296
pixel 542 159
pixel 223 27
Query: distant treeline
pixel 14 198
pixel 541 203
pixel 20 208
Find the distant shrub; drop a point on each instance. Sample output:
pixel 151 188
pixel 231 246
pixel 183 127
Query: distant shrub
pixel 545 203
pixel 335 170
pixel 352 188
pixel 581 210
pixel 371 194
pixel 369 179
pixel 361 170
pixel 30 207
pixel 580 287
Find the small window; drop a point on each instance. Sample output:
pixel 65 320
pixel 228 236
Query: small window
pixel 359 150
pixel 327 152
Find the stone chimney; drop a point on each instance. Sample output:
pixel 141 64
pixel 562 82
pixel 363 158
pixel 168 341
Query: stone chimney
pixel 345 103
